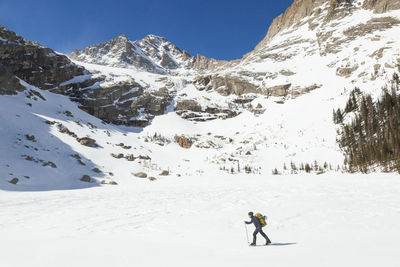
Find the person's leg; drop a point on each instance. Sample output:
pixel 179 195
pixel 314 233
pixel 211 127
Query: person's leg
pixel 255 236
pixel 265 236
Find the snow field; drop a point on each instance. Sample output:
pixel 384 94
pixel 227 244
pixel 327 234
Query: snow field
pixel 328 220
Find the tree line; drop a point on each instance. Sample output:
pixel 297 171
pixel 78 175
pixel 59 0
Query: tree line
pixel 369 131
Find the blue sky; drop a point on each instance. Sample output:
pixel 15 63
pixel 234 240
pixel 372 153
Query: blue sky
pixel 222 29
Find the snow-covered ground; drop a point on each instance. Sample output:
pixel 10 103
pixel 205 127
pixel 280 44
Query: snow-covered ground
pixel 327 220
pixel 196 218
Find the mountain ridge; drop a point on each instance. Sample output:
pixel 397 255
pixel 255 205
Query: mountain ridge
pixel 269 110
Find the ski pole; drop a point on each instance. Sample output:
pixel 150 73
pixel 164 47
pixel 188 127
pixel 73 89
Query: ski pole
pixel 247 234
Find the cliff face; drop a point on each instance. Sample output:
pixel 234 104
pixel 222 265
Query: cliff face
pixel 301 9
pixel 381 6
pixel 297 11
pixel 33 63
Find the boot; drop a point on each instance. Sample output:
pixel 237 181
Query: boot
pixel 254 242
pixel 268 241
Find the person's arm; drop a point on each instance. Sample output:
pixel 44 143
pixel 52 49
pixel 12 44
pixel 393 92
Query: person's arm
pixel 250 222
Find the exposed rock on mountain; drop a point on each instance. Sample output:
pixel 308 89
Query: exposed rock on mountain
pixel 225 85
pixel 338 8
pixel 129 82
pixel 153 54
pixel 381 6
pixel 202 63
pixel 33 63
pixel 119 102
pixel 297 11
pixel 9 84
pixel 301 9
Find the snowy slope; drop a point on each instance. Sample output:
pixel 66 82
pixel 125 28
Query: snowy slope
pixel 31 137
pixel 295 126
pixel 271 130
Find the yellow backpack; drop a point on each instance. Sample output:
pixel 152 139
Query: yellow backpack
pixel 262 219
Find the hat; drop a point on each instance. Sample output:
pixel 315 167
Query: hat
pixel 251 213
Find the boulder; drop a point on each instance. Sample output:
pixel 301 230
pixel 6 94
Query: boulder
pixel 141 175
pixel 152 178
pixel 164 173
pixel 183 141
pixel 113 183
pixel 345 71
pixel 86 141
pixel 117 156
pixel 279 90
pixel 86 178
pixel 96 170
pixel 30 138
pixel 130 157
pixel 14 181
pixel 50 164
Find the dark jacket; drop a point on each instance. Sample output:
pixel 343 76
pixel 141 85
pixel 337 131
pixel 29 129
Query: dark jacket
pixel 256 222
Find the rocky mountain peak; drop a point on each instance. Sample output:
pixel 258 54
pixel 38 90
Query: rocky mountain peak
pixel 121 38
pixel 152 54
pixel 151 38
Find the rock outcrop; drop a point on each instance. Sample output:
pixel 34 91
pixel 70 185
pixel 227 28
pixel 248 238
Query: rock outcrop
pixel 37 65
pixel 9 84
pixel 123 102
pixel 301 9
pixel 225 85
pixel 336 8
pixel 381 6
pixel 183 141
pixel 297 11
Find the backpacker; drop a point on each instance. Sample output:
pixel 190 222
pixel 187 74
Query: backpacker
pixel 262 219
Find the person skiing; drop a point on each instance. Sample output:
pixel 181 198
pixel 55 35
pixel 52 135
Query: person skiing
pixel 257 224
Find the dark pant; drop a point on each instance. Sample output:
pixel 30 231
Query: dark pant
pixel 259 230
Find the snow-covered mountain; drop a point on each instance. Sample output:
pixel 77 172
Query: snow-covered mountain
pixel 152 54
pixel 269 110
pixel 328 37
